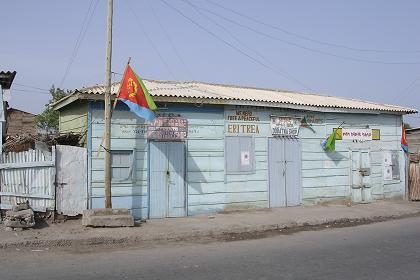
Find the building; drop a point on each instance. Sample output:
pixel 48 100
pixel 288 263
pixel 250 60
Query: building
pixel 218 148
pixel 6 80
pixel 20 122
pixel 413 139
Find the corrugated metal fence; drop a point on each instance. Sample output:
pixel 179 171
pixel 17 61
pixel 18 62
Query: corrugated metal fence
pixel 28 175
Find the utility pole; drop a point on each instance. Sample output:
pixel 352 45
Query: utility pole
pixel 107 138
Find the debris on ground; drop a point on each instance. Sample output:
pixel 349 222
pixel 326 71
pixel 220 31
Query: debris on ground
pixel 21 216
pixel 24 142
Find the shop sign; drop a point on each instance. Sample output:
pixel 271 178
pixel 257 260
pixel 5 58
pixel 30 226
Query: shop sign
pixel 284 126
pixel 357 133
pixel 243 121
pixel 168 128
pixel 243 115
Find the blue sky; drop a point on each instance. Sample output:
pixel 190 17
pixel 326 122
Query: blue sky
pixel 378 57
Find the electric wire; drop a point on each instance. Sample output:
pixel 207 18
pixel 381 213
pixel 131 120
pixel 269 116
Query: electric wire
pixel 278 71
pixel 32 87
pixel 307 38
pixel 217 37
pixel 307 48
pixel 408 90
pixel 143 30
pixel 85 24
pixel 171 42
pixel 31 91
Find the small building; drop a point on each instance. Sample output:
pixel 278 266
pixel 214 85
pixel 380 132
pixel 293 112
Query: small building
pixel 217 148
pixel 6 81
pixel 20 122
pixel 413 139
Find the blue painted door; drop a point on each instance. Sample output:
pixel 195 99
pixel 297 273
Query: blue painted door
pixel 284 172
pixel 361 186
pixel 292 161
pixel 276 172
pixel 176 179
pixel 167 179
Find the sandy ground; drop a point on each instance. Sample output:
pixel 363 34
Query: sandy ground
pixel 230 226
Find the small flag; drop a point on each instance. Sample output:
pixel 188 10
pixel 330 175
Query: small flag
pixel 404 143
pixel 135 95
pixel 329 143
pixel 304 122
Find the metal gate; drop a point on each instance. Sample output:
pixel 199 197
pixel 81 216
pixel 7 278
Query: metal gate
pixel 167 179
pixel 71 179
pixel 361 181
pixel 284 172
pixel 28 176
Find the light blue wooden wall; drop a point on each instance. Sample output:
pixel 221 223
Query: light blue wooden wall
pixel 325 176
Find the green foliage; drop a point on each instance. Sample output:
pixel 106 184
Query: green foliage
pixel 48 119
pixel 406 125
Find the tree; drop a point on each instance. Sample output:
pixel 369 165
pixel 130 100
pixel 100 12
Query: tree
pixel 406 125
pixel 47 121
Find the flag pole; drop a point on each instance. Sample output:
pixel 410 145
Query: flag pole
pixel 112 110
pixel 116 98
pixel 107 135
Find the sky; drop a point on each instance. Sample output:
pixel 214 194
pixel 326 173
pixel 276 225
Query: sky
pixel 359 49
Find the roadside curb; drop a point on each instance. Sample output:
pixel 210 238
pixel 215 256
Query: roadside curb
pixel 231 234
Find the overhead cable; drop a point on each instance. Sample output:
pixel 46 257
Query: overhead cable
pixel 156 50
pixel 171 42
pixel 85 24
pixel 275 69
pixel 217 37
pixel 308 48
pixel 307 38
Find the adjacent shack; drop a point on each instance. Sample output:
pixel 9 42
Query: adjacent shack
pixel 19 122
pixel 216 148
pixel 413 139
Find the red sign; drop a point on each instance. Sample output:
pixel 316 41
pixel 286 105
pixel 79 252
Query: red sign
pixel 168 128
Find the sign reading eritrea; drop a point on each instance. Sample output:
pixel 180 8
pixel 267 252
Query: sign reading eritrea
pixel 243 121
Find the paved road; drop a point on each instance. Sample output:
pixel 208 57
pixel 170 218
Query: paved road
pixel 388 250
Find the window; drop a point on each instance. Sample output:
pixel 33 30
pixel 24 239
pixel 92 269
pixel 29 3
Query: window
pixel 391 165
pixel 121 165
pixel 239 154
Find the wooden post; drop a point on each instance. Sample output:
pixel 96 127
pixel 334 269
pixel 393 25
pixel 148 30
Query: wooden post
pixel 107 138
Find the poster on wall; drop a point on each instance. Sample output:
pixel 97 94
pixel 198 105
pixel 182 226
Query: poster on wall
pixel 284 126
pixel 387 173
pixel 245 158
pixel 357 134
pixel 391 166
pixel 168 128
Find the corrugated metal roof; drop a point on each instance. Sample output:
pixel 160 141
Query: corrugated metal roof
pixel 200 90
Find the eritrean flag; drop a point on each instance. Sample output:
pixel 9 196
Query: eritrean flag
pixel 404 143
pixel 135 95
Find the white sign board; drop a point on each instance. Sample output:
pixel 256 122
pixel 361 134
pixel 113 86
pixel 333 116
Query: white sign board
pixel 284 126
pixel 245 158
pixel 387 173
pixel 357 133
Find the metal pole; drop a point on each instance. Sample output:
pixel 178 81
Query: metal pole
pixel 107 142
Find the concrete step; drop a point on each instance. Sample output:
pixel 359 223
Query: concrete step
pixel 105 212
pixel 108 221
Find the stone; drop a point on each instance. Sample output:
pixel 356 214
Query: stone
pixel 108 221
pixel 107 218
pixel 20 207
pixel 19 219
pixel 106 212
